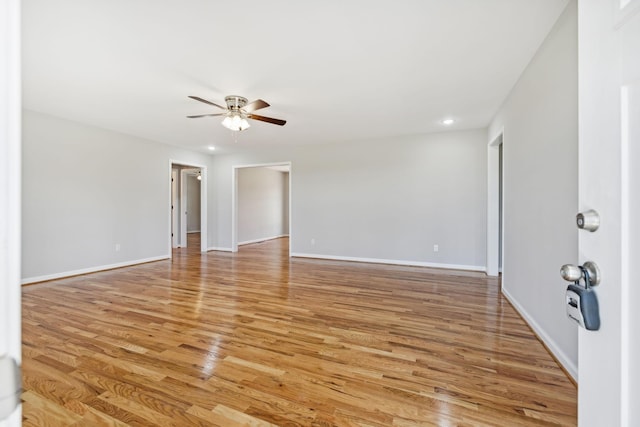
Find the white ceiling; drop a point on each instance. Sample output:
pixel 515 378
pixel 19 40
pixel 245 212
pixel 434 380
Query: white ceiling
pixel 336 70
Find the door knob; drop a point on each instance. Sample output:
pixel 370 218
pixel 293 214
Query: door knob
pixel 571 273
pixel 589 272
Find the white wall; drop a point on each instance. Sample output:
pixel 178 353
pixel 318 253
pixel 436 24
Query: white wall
pixel 540 120
pixel 385 200
pixel 261 204
pixel 87 189
pixel 193 204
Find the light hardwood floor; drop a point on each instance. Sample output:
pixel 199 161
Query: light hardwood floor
pixel 258 339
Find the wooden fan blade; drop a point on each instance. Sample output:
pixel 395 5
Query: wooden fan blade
pixel 267 119
pixel 255 105
pixel 206 115
pixel 197 98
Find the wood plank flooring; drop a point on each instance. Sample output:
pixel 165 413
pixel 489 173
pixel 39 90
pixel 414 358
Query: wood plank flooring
pixel 258 339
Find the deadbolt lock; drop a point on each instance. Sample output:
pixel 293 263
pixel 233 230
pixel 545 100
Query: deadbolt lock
pixel 589 220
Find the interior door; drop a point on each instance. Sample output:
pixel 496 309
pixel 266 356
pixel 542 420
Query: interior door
pixel 609 133
pixel 175 208
pixel 184 176
pixel 10 200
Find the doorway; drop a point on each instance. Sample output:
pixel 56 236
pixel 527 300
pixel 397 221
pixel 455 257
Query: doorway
pixel 181 221
pixel 261 203
pixel 190 203
pixel 495 205
pixel 193 187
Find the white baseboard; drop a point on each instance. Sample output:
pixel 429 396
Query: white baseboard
pixel 393 261
pixel 219 249
pixel 564 360
pixel 64 274
pixel 262 239
pixel 192 231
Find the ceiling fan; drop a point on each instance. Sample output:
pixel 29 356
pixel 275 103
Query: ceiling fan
pixel 237 111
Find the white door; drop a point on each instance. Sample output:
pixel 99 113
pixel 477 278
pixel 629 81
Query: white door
pixel 609 133
pixel 175 208
pixel 10 199
pixel 184 199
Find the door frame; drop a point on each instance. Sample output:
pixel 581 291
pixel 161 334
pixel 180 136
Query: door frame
pixel 495 235
pixel 203 201
pixel 234 200
pixel 10 190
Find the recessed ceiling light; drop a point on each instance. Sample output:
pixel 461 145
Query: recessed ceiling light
pixel 447 122
pixel 211 147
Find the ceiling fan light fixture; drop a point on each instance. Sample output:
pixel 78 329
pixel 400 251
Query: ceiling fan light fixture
pixel 235 121
pixel 237 112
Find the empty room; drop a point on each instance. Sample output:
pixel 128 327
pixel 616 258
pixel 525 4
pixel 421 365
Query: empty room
pixel 319 214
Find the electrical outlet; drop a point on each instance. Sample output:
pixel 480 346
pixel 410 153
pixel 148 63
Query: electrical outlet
pixel 117 247
pixel 436 248
pixel 313 242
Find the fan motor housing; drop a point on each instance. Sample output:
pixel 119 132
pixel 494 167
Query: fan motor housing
pixel 235 102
